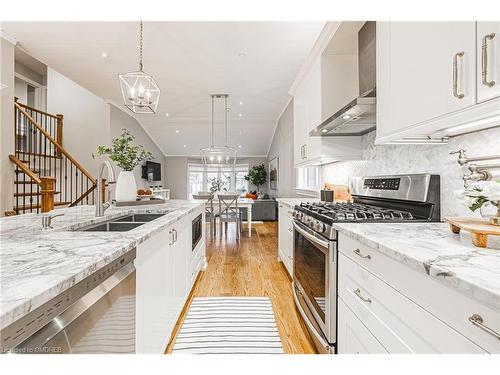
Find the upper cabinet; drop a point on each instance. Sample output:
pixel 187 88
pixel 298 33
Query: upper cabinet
pixel 429 81
pixel 328 81
pixel 488 60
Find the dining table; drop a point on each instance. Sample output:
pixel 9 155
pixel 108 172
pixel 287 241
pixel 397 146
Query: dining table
pixel 242 203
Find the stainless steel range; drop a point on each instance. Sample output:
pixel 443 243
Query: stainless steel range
pixel 398 198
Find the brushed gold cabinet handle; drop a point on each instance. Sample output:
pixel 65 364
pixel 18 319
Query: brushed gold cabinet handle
pixel 455 75
pixel 477 320
pixel 484 60
pixel 358 253
pixel 364 299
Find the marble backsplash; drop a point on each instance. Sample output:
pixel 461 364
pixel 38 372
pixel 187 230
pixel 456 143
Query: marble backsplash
pixel 435 159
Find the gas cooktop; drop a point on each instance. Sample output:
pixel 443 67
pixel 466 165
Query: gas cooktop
pixel 352 212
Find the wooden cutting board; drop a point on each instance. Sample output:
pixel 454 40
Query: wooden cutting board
pixel 478 228
pixel 340 192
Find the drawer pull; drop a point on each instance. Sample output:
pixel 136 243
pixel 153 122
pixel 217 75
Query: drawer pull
pixel 484 60
pixel 364 299
pixel 477 320
pixel 358 253
pixel 455 75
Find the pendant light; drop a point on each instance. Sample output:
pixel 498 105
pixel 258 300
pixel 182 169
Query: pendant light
pixel 218 155
pixel 139 90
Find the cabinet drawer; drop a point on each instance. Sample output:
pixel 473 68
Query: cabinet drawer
pixel 353 336
pixel 446 303
pixel 399 324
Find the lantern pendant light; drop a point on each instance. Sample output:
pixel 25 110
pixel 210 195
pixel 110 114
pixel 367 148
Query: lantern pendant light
pixel 139 90
pixel 218 155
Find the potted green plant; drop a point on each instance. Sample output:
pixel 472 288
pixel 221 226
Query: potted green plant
pixel 127 155
pixel 257 176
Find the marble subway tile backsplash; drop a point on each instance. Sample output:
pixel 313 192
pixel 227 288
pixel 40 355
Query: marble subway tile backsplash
pixel 435 159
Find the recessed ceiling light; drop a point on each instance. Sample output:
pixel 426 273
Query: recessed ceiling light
pixel 242 54
pixel 184 146
pixel 239 146
pixel 324 130
pixel 167 114
pixel 177 131
pixel 241 103
pixel 104 55
pixel 240 114
pixel 346 117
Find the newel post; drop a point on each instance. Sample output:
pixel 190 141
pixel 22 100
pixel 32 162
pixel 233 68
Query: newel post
pixel 48 191
pixel 59 134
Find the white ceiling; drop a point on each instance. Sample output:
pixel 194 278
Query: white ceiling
pixel 189 60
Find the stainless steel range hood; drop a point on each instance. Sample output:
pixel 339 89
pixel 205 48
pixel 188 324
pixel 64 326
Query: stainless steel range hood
pixel 359 116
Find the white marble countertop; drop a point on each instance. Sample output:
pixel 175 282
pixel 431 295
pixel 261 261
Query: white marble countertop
pixel 37 265
pixel 291 202
pixel 434 250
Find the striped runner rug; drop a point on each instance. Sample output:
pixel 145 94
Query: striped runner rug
pixel 229 325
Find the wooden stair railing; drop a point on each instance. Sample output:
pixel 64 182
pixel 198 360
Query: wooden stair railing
pixel 47 175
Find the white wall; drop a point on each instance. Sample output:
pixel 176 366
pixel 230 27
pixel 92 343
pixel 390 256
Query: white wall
pixel 282 146
pixel 176 176
pixel 86 118
pixel 119 120
pixel 6 125
pixel 436 159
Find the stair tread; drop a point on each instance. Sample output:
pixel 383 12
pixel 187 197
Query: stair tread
pixel 31 194
pixel 26 207
pixel 25 182
pixel 38 154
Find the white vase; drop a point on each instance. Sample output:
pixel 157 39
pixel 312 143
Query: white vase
pixel 126 188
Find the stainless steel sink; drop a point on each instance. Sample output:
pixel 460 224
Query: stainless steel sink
pixel 111 226
pixel 139 218
pixel 121 224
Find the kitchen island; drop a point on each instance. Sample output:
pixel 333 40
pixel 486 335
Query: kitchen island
pixel 39 264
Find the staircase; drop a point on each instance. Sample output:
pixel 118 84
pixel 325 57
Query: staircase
pixel 46 175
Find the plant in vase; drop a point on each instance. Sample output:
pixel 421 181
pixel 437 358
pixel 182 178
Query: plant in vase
pixel 127 155
pixel 485 196
pixel 257 175
pixel 216 185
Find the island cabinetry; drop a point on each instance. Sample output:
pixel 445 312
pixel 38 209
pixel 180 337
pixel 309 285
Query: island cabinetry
pixel 164 282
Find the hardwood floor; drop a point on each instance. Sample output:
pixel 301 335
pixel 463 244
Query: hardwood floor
pixel 250 268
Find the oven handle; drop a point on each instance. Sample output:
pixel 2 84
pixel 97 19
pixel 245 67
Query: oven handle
pixel 312 329
pixel 310 237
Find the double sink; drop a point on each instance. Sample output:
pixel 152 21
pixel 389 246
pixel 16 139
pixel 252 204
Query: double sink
pixel 121 224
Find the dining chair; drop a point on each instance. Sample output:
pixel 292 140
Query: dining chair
pixel 210 214
pixel 229 212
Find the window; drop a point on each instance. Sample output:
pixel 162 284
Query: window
pixel 308 178
pixel 233 177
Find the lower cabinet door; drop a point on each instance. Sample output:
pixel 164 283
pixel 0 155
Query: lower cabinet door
pixel 353 336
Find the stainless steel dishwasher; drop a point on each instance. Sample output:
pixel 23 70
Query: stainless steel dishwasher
pixel 96 315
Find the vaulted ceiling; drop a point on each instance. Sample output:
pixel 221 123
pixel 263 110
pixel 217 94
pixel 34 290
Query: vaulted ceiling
pixel 254 62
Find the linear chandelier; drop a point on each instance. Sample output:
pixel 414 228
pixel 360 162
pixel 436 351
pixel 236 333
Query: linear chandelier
pixel 140 92
pixel 219 155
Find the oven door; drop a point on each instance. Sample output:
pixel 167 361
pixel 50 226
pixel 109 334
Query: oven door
pixel 313 279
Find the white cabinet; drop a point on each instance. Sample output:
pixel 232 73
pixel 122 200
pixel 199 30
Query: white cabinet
pixel 488 60
pixel 155 316
pixel 386 296
pixel 427 80
pixel 164 279
pixel 353 336
pixel 313 102
pixel 285 237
